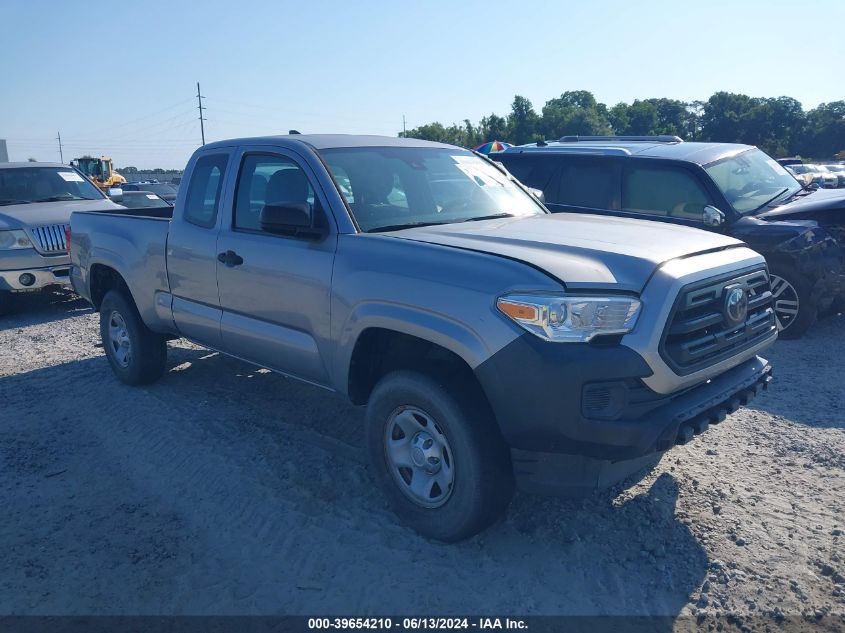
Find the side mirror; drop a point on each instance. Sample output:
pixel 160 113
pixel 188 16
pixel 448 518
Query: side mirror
pixel 115 193
pixel 289 218
pixel 712 216
pixel 537 193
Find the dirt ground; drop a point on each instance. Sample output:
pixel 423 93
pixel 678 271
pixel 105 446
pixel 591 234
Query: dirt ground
pixel 224 489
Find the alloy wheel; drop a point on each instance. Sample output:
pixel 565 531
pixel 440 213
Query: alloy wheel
pixel 786 303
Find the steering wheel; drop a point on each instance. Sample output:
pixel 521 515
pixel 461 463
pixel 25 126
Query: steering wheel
pixel 456 205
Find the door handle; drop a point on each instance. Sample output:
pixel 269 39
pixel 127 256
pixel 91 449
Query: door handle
pixel 230 258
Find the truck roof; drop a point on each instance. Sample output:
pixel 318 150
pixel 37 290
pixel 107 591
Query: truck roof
pixel 31 164
pixel 327 141
pixel 694 152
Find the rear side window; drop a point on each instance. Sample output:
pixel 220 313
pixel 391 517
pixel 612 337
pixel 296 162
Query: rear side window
pixel 668 192
pixel 584 183
pixel 266 179
pixel 204 190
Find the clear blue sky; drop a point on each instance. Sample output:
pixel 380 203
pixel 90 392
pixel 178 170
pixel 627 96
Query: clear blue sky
pixel 118 78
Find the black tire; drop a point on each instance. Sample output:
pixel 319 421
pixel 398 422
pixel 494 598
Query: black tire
pixel 147 351
pixel 808 308
pixel 482 477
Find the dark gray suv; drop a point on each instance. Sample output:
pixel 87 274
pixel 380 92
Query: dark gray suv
pixel 733 189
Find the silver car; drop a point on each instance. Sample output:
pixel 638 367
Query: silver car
pixel 819 175
pixel 36 200
pixel 839 170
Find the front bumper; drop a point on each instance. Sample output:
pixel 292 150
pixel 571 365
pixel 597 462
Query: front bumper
pixel 563 443
pixel 13 280
pixel 676 422
pixel 47 270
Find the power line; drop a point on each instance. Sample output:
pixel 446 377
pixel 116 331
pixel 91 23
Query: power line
pixel 130 122
pixel 199 105
pixel 59 139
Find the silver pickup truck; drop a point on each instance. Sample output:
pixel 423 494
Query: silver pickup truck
pixel 492 342
pixel 36 200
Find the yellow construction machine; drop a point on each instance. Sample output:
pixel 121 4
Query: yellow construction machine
pixel 99 170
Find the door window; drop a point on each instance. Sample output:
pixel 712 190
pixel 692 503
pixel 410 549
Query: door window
pixel 584 183
pixel 204 190
pixel 266 179
pixel 659 191
pixel 532 171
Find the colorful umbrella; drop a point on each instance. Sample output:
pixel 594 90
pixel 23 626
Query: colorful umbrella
pixel 492 146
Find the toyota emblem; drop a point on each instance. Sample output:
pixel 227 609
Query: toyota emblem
pixel 736 304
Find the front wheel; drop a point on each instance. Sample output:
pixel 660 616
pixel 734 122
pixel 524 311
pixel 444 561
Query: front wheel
pixel 136 354
pixel 439 456
pixel 795 308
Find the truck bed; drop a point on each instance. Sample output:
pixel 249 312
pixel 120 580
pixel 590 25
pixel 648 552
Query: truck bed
pixel 131 243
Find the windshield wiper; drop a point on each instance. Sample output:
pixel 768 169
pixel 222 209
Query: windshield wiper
pixel 61 199
pixel 10 201
pixel 399 227
pixel 773 198
pixel 495 216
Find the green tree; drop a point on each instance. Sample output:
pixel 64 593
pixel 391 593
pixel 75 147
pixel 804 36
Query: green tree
pixel 523 122
pixel 642 119
pixel 493 128
pixel 465 135
pixel 825 136
pixel 673 117
pixel 574 113
pixel 618 118
pixel 695 112
pixel 775 125
pixel 724 117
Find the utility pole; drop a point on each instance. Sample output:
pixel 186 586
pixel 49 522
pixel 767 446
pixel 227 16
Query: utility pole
pixel 199 104
pixel 403 126
pixel 59 139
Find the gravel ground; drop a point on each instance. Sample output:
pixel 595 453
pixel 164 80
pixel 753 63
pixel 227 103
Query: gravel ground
pixel 224 489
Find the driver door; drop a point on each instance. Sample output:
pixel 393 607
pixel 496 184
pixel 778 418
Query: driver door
pixel 667 193
pixel 275 289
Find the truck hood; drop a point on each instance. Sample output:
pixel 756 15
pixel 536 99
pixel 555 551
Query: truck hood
pixel 18 216
pixel 581 251
pixel 825 205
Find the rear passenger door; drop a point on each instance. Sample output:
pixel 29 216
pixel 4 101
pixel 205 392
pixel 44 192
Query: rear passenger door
pixel 275 300
pixel 192 249
pixel 583 184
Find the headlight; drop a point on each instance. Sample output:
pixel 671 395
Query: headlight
pixel 571 319
pixel 12 240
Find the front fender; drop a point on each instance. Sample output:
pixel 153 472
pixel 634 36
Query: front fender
pixel 428 325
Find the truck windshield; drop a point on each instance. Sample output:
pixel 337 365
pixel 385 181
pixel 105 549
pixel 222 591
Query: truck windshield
pixel 752 180
pixel 391 188
pixel 22 185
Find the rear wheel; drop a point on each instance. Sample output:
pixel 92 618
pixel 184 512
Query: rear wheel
pixel 438 455
pixel 795 308
pixel 136 354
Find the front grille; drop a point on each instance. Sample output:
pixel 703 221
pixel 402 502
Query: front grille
pixel 49 239
pixel 700 333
